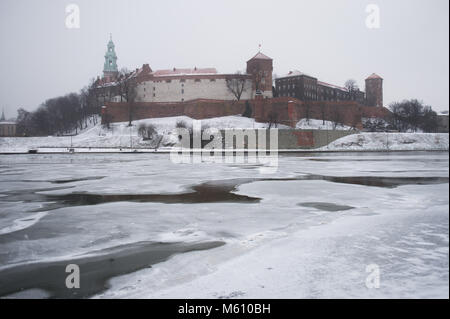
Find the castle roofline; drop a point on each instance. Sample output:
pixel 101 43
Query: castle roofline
pixel 374 76
pixel 297 73
pixel 185 71
pixel 260 56
pixel 332 86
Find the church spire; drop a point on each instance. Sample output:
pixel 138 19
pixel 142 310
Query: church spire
pixel 110 67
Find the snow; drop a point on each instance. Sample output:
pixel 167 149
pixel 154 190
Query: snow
pixel 390 142
pixel 22 223
pixel 275 248
pixel 377 122
pixel 313 124
pixel 307 253
pixel 120 135
pixel 121 138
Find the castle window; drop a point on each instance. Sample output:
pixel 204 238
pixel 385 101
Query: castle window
pixel 154 94
pixel 212 80
pixel 182 80
pixel 197 80
pixel 168 81
pixel 182 91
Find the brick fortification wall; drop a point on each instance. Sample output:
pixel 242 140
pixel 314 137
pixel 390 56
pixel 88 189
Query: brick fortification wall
pixel 286 110
pixel 196 109
pixel 289 111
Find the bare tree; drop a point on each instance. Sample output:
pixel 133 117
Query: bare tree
pixel 106 120
pixel 322 107
pixel 147 131
pixel 236 84
pixel 412 115
pixel 336 117
pixel 248 110
pixel 351 85
pixel 307 112
pixel 127 87
pixel 23 121
pixel 273 119
pixel 375 125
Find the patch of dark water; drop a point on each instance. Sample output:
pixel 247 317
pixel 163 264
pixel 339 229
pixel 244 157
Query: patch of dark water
pixel 95 269
pixel 329 207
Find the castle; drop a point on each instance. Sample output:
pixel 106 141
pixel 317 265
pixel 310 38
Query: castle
pixel 307 88
pixel 203 92
pixel 185 84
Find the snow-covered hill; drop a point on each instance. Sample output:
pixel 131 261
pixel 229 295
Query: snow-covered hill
pixel 313 124
pixel 390 142
pixel 120 135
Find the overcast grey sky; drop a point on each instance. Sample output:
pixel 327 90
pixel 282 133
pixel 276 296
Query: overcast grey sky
pixel 40 58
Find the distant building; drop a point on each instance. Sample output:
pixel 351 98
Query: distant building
pixel 110 70
pixel 179 85
pixel 374 90
pixel 308 88
pixel 186 84
pixel 7 128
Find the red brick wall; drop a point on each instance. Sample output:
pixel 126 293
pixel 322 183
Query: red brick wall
pixel 287 110
pixel 291 110
pixel 197 109
pixel 374 92
pixel 305 139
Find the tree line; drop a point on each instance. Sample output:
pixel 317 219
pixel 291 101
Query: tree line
pixel 70 113
pixel 413 115
pixel 61 115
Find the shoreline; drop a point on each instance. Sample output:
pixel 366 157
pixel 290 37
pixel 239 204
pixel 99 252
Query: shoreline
pixel 99 150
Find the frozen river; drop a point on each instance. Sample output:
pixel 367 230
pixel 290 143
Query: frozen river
pixel 139 226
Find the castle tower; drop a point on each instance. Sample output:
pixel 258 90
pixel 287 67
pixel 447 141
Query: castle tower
pixel 261 67
pixel 110 67
pixel 2 119
pixel 374 90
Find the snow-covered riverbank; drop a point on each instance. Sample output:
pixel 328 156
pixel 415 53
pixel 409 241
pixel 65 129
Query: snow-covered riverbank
pixel 390 142
pixel 122 138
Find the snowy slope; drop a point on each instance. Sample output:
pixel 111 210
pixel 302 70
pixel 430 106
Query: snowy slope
pixel 313 124
pixel 390 141
pixel 121 135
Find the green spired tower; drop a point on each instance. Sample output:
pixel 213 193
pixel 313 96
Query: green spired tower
pixel 110 68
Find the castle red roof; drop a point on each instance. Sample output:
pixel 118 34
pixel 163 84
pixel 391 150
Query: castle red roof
pixel 374 76
pixel 176 71
pixel 260 56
